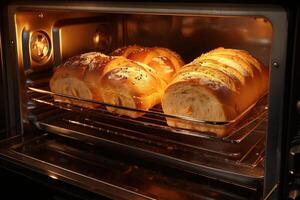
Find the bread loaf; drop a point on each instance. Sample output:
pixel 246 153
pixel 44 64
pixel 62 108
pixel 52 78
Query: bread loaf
pixel 217 86
pixel 130 84
pixel 163 60
pixel 70 78
pixel 111 79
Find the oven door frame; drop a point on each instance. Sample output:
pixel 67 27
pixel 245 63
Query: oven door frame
pixel 289 183
pixel 4 113
pixel 277 15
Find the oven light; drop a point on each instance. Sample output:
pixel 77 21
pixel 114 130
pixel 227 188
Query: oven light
pixel 96 39
pixel 53 176
pixel 102 39
pixel 39 46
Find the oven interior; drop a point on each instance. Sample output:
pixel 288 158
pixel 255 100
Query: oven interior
pixel 46 38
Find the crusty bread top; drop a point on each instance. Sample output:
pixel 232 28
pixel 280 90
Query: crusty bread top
pixel 230 71
pixel 234 77
pixel 163 60
pixel 246 56
pixel 141 79
pixel 130 50
pixel 97 69
pixel 207 75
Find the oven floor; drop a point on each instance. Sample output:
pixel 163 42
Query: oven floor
pixel 113 174
pixel 36 186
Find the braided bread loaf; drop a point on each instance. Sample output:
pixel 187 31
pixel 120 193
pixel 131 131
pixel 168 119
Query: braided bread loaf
pixel 217 86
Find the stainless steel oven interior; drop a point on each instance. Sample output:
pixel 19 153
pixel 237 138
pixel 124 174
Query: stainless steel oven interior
pixel 43 36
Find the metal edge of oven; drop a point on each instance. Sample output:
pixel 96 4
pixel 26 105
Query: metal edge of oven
pixel 276 15
pixel 3 100
pixel 289 185
pixel 2 123
pixel 185 185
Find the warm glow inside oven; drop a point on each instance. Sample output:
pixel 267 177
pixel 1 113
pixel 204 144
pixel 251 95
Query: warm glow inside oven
pixel 47 38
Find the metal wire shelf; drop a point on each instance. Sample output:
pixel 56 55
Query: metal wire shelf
pixel 239 128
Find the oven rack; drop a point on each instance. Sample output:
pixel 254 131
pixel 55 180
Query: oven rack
pixel 94 126
pixel 96 164
pixel 195 154
pixel 155 118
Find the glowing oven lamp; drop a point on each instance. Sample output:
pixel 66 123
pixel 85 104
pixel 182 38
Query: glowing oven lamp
pixel 39 46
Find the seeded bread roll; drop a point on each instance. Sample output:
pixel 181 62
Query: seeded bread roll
pixel 111 79
pixel 70 78
pixel 163 60
pixel 217 86
pixel 130 84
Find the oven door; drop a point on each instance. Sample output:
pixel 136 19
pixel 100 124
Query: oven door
pixel 85 170
pixel 290 174
pixel 49 166
pixel 76 169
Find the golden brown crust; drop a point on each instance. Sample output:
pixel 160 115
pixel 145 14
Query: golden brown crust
pixel 242 54
pixel 68 79
pixel 232 72
pixel 127 83
pixel 173 56
pixel 112 79
pixel 163 60
pixel 217 86
pixel 125 51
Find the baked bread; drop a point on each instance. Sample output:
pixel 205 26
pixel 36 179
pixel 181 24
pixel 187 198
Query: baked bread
pixel 217 86
pixel 70 78
pixel 163 60
pixel 130 84
pixel 111 79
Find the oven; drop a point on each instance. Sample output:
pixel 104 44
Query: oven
pixel 90 151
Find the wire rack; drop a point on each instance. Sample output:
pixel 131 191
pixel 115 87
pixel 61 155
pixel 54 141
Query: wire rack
pixel 244 146
pixel 239 128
